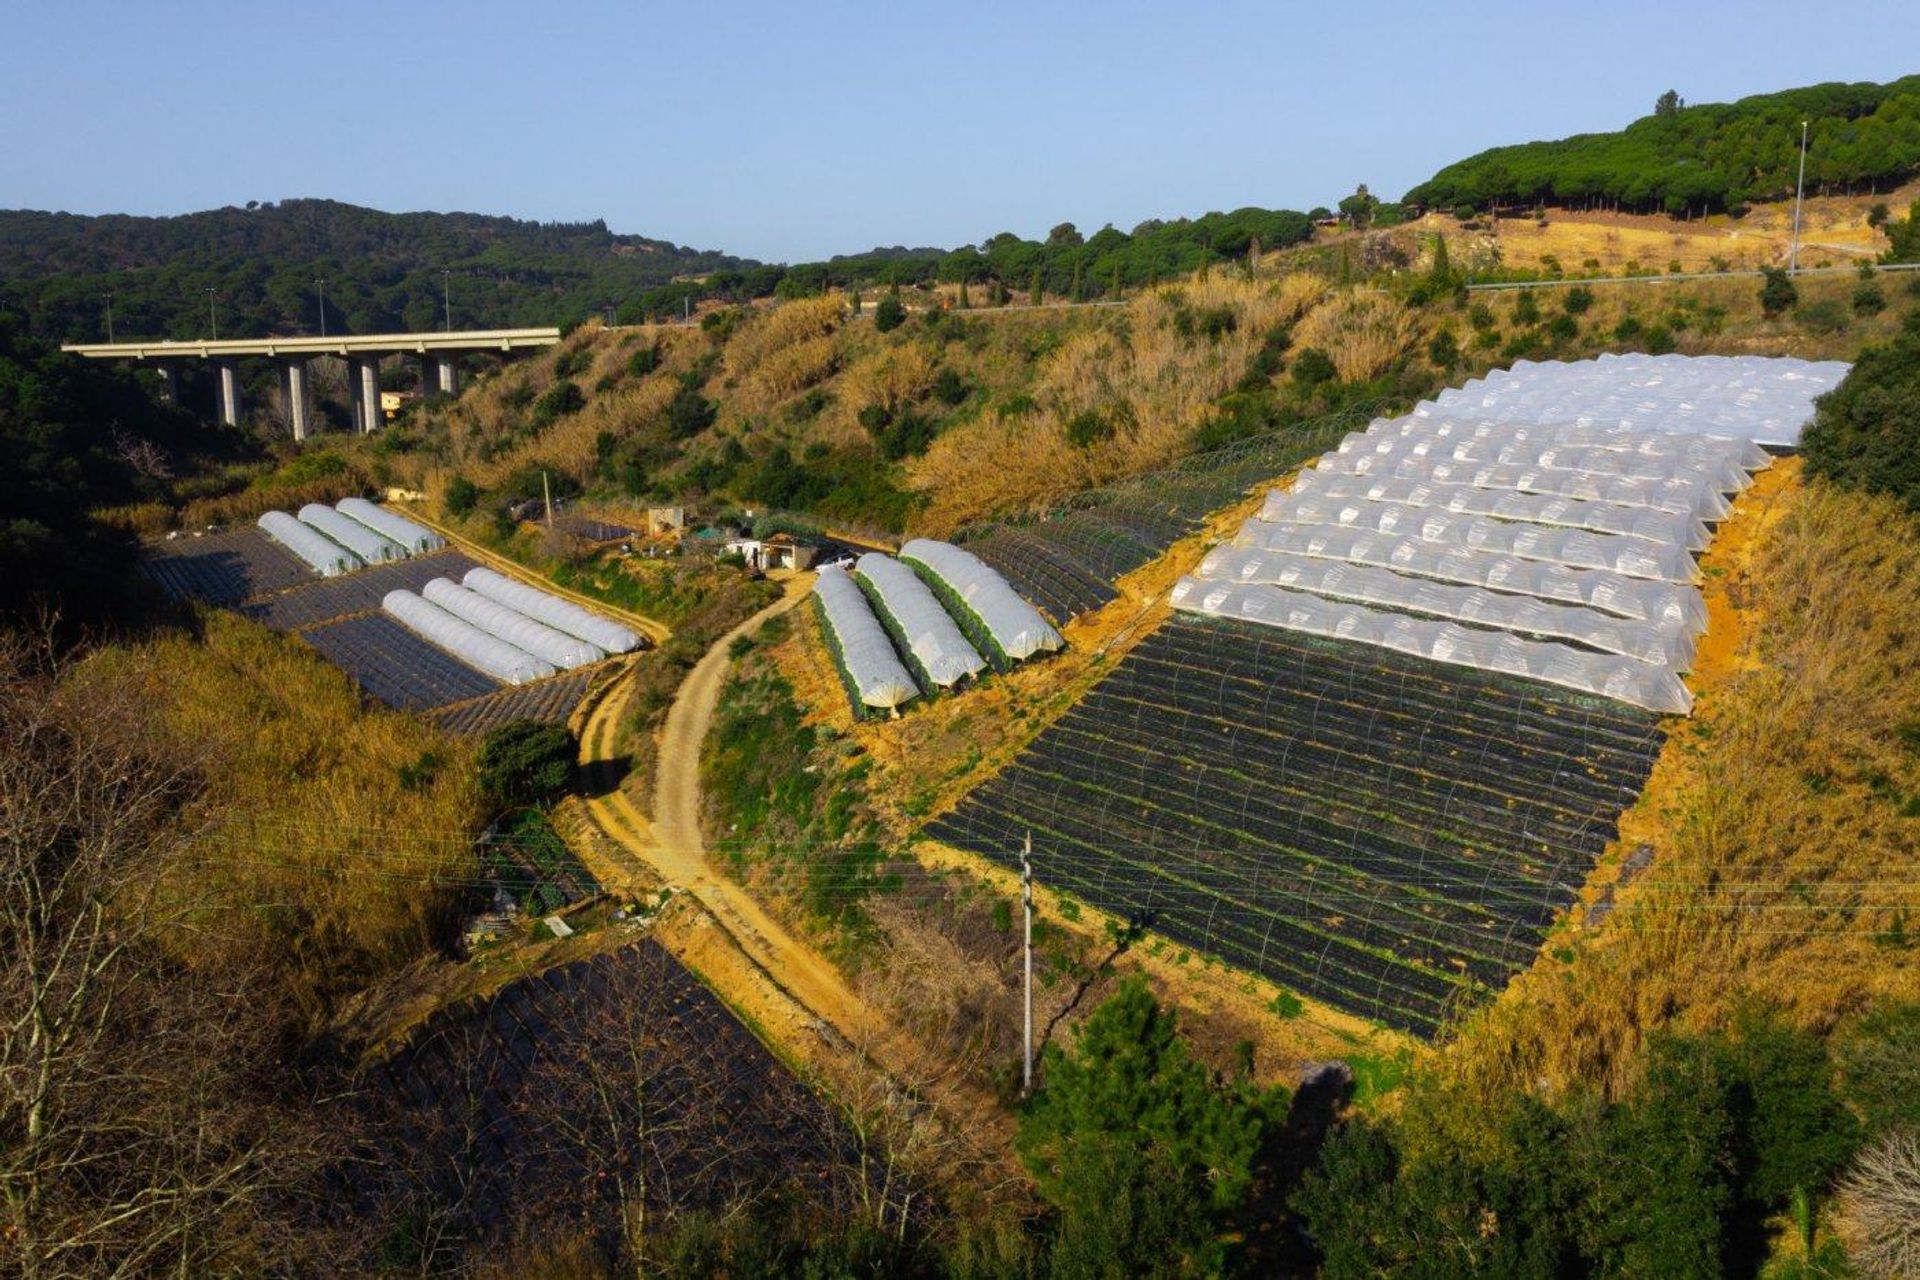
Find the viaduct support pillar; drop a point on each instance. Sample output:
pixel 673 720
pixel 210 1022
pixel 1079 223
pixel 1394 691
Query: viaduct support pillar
pixel 297 389
pixel 363 376
pixel 227 392
pixel 444 371
pixel 169 380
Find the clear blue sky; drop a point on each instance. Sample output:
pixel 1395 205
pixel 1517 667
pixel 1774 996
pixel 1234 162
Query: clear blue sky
pixel 788 131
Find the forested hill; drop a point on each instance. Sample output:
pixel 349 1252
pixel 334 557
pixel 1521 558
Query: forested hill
pixel 1706 157
pixel 382 270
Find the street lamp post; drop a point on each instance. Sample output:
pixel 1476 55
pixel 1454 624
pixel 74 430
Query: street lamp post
pixel 446 293
pixel 321 285
pixel 213 316
pixel 1799 191
pixel 109 317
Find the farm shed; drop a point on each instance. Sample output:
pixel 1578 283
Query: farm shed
pixel 321 553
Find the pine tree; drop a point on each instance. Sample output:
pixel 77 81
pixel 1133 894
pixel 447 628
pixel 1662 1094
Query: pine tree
pixel 1440 274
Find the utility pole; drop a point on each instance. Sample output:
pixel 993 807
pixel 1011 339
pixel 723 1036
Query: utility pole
pixel 546 492
pixel 213 316
pixel 1799 191
pixel 321 285
pixel 1026 902
pixel 446 293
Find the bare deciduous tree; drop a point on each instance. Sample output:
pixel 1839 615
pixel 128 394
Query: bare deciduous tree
pixel 139 1130
pixel 1880 1207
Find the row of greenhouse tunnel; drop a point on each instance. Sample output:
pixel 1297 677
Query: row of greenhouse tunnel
pixel 506 629
pixel 933 618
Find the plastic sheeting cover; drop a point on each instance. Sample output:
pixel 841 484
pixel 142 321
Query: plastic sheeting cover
pixel 1723 473
pixel 934 638
pixel 1667 604
pixel 561 615
pixel 1015 625
pixel 1655 444
pixel 416 538
pixel 1663 645
pixel 1692 496
pixel 371 547
pixel 879 676
pixel 517 629
pixel 463 640
pixel 322 554
pixel 1626 680
pixel 1666 527
pixel 1633 557
pixel 1766 399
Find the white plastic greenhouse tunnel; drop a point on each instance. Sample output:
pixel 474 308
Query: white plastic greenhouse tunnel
pixel 517 629
pixel 320 553
pixel 1541 522
pixel 933 638
pixel 879 677
pixel 371 547
pixel 1014 625
pixel 463 640
pixel 415 537
pixel 561 615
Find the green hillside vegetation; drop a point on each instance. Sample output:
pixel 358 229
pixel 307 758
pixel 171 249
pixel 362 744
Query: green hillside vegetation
pixel 388 272
pixel 1704 158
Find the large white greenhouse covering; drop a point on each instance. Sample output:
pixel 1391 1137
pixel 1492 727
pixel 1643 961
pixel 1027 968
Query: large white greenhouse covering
pixel 1013 624
pixel 933 639
pixel 371 547
pixel 516 628
pixel 465 641
pixel 1540 522
pixel 878 676
pixel 416 538
pixel 1764 399
pixel 561 615
pixel 320 553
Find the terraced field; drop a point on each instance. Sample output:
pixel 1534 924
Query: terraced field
pixel 394 666
pixel 321 600
pixel 223 568
pixel 547 701
pixel 1371 829
pixel 1066 561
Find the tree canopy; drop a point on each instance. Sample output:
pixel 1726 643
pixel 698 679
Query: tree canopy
pixel 1704 157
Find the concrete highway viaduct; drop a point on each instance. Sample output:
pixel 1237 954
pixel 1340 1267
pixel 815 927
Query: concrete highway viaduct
pixel 438 354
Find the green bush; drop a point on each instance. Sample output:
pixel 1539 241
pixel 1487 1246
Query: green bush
pixel 1313 367
pixel 462 496
pixel 1578 299
pixel 1087 428
pixel 643 361
pixel 526 762
pixel 1444 349
pixel 1526 308
pixel 1867 299
pixel 561 399
pixel 1777 294
pixel 1824 316
pixel 1659 339
pixel 1865 433
pixel 890 314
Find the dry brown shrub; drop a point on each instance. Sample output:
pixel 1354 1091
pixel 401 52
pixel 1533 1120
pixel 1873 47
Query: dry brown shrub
pixel 787 325
pixel 569 445
pixel 787 372
pixel 1150 386
pixel 1771 815
pixel 892 376
pixel 142 519
pixel 1363 333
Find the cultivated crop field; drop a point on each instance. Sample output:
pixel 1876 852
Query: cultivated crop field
pixel 619 1070
pixel 547 701
pixel 394 666
pixel 320 600
pixel 223 568
pixel 1368 828
pixel 1067 560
